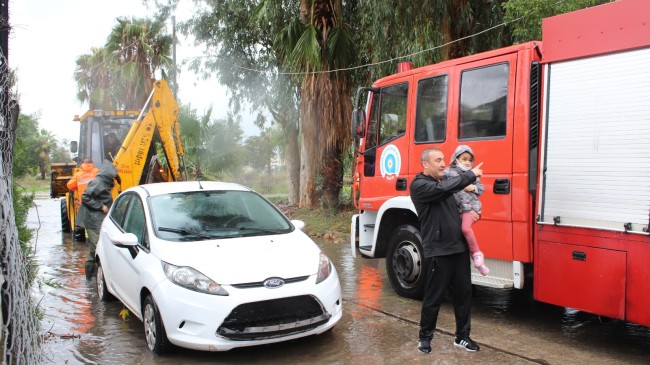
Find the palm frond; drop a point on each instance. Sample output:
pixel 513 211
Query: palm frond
pixel 340 48
pixel 307 52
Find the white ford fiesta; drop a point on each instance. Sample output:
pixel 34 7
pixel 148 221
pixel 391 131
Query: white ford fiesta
pixel 213 266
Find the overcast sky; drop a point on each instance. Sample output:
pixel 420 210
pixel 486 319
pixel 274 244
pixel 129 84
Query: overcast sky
pixel 49 35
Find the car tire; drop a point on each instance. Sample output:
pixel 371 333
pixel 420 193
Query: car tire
pixel 65 222
pixel 100 280
pixel 404 262
pixel 154 330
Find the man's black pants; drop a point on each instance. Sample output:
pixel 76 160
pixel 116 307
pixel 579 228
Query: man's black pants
pixel 442 272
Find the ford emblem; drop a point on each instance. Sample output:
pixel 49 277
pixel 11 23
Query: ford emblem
pixel 273 283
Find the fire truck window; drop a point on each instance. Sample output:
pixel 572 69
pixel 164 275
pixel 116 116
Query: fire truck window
pixel 483 102
pixel 392 123
pixel 372 122
pixel 369 156
pixel 430 121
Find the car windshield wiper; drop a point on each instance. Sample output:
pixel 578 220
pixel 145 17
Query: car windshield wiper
pixel 184 232
pixel 257 229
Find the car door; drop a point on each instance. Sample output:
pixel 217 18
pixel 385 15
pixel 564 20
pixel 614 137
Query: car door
pixel 107 250
pixel 129 263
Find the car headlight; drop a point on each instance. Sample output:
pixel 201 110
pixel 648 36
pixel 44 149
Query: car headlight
pixel 190 278
pixel 324 268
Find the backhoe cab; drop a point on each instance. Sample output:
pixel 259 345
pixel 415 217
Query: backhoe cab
pixel 133 140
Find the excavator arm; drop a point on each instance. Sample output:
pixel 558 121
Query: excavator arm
pixel 159 115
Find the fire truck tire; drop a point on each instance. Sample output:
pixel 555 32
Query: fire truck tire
pixel 65 222
pixel 404 262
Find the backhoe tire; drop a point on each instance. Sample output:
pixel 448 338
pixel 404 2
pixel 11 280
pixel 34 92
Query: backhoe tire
pixel 404 262
pixel 65 222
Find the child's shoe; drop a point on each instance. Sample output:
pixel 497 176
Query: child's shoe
pixel 479 263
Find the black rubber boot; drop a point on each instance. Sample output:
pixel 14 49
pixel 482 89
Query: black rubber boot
pixel 90 270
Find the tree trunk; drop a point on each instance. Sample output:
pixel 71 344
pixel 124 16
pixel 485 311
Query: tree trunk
pixel 332 172
pixel 307 178
pixel 292 161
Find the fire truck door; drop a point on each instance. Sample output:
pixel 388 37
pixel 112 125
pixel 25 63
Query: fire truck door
pixel 384 172
pixel 485 123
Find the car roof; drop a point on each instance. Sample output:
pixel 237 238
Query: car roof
pixel 187 186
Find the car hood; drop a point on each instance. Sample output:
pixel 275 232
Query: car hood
pixel 245 259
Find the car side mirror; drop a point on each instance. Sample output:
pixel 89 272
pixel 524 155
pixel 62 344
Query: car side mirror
pixel 298 224
pixel 73 146
pixel 124 240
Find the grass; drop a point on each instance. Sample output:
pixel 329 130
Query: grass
pixel 328 225
pixel 33 184
pixel 325 225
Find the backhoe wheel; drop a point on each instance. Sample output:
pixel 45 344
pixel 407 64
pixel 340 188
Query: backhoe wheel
pixel 154 330
pixel 65 222
pixel 404 262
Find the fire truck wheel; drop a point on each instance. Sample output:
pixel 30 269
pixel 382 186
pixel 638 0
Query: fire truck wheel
pixel 404 262
pixel 65 222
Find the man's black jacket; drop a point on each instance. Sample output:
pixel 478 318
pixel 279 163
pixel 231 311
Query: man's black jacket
pixel 438 214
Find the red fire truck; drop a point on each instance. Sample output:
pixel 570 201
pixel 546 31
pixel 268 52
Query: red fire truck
pixel 562 127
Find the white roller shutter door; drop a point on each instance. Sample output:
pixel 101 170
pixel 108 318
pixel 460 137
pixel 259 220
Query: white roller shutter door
pixel 598 142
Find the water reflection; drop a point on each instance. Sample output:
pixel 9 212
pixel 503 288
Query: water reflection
pixel 378 327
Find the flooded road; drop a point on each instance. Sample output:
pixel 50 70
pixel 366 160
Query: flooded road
pixel 378 327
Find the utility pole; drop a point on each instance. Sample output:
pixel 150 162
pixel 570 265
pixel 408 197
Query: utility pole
pixel 174 82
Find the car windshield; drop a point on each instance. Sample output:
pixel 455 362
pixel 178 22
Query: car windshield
pixel 201 215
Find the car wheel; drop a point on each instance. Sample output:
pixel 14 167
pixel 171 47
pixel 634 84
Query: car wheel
pixel 65 222
pixel 154 330
pixel 404 262
pixel 102 290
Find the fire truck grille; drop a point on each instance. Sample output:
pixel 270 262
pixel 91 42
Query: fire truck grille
pixel 273 318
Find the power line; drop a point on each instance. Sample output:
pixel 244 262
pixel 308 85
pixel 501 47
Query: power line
pixel 373 63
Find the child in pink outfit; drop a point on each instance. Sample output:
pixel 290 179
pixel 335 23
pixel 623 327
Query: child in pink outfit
pixel 468 201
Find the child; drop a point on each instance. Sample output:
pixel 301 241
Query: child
pixel 467 200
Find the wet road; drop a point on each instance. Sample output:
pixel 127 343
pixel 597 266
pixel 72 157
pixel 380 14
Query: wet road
pixel 378 327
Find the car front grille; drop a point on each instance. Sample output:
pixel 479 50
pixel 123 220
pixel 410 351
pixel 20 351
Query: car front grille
pixel 273 318
pixel 259 284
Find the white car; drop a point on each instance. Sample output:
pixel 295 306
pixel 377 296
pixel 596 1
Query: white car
pixel 213 266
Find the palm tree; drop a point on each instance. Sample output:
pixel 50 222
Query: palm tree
pixel 317 43
pixel 46 142
pixel 139 47
pixel 93 77
pixel 120 75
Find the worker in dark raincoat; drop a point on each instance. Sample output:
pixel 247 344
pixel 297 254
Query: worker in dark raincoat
pixel 95 202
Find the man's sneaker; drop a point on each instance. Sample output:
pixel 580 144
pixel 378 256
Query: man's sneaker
pixel 424 346
pixel 466 343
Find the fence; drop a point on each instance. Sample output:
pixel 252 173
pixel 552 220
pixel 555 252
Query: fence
pixel 20 324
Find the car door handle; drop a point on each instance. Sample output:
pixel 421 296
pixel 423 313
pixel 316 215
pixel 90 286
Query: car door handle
pixel 501 186
pixel 400 184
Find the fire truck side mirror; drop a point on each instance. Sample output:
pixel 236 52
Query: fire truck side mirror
pixel 73 146
pixel 358 123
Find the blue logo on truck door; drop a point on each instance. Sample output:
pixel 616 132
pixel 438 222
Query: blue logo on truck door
pixel 390 162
